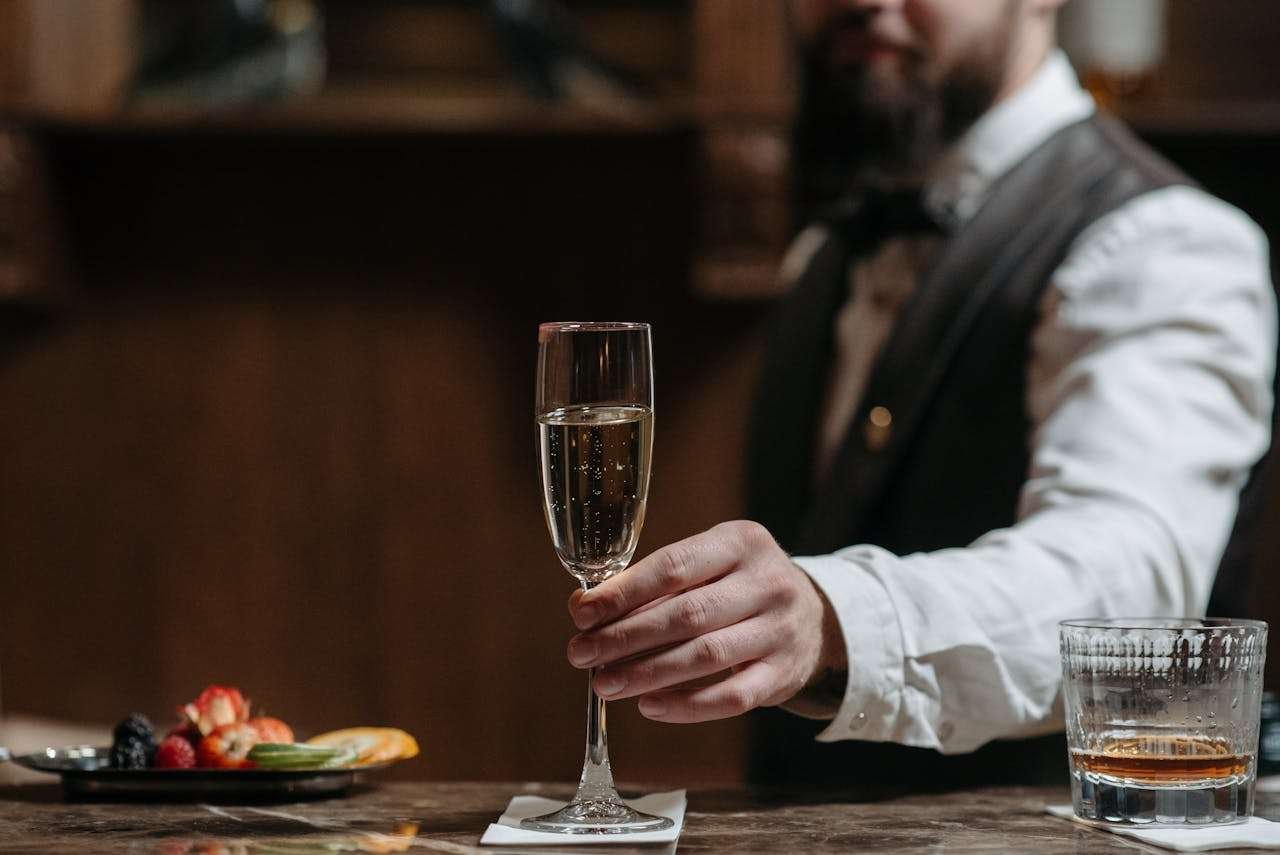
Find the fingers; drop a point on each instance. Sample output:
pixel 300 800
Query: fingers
pixel 692 561
pixel 753 686
pixel 577 595
pixel 699 657
pixel 671 621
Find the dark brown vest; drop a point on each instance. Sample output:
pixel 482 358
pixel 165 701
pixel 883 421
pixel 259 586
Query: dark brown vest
pixel 956 455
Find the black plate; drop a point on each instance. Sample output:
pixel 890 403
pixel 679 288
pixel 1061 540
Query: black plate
pixel 86 771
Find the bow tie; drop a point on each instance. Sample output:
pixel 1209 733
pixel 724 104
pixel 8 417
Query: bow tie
pixel 877 215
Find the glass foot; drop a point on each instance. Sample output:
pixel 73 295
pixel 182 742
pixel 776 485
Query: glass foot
pixel 596 816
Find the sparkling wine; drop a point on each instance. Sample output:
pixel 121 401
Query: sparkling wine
pixel 1168 761
pixel 595 481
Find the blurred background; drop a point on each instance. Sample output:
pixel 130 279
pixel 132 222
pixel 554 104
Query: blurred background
pixel 269 277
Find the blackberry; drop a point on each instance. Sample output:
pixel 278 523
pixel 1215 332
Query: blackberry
pixel 133 743
pixel 136 726
pixel 130 754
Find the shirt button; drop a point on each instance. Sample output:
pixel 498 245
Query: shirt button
pixel 878 428
pixel 859 721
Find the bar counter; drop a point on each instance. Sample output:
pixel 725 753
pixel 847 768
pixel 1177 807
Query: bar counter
pixel 450 817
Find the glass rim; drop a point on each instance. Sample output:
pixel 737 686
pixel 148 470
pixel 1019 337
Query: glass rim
pixel 1162 623
pixel 591 326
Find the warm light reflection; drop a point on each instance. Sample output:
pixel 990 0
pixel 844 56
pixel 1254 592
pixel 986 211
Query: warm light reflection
pixel 401 839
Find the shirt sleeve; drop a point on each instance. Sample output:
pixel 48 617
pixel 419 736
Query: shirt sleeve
pixel 1149 390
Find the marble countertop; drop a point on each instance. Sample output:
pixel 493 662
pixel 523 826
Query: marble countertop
pixel 450 817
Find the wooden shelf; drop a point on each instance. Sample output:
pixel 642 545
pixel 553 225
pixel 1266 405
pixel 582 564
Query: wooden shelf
pixel 373 107
pixel 1238 117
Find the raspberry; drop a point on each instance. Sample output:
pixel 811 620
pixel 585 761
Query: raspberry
pixel 175 753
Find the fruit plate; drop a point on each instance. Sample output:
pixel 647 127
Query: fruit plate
pixel 86 772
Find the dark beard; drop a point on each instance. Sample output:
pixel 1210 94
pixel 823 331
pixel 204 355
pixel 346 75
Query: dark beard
pixel 851 130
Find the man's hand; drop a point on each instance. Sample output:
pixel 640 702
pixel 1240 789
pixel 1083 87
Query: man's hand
pixel 728 599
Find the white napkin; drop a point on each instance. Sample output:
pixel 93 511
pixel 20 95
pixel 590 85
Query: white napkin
pixel 507 830
pixel 1255 833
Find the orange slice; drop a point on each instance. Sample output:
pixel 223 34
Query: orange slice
pixel 371 744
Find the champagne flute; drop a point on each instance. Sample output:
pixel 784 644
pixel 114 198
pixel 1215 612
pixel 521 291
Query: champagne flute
pixel 594 416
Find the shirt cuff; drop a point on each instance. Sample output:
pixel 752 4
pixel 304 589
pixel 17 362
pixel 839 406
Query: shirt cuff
pixel 872 642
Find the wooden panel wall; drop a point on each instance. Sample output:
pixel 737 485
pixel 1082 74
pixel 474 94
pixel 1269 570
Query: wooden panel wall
pixel 286 441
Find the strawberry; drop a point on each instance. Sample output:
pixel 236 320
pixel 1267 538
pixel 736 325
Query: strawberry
pixel 216 706
pixel 227 747
pixel 272 729
pixel 175 752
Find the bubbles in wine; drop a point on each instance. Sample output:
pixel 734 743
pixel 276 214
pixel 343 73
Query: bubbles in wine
pixel 595 480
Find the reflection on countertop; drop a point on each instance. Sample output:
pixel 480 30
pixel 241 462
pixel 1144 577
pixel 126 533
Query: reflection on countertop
pixel 450 817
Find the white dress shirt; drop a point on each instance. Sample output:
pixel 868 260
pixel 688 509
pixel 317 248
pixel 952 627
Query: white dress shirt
pixel 1149 395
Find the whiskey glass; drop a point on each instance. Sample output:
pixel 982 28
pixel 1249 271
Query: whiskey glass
pixel 1162 718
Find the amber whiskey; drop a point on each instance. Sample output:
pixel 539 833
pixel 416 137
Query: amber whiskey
pixel 1164 761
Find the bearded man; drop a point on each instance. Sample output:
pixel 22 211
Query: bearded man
pixel 1023 375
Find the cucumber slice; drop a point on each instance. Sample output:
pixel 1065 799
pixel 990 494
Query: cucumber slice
pixel 272 755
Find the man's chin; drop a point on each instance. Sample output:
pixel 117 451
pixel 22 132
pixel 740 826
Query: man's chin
pixel 883 64
pixel 886 81
pixel 875 116
pixel 888 96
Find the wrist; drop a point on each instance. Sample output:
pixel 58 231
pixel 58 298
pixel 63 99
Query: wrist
pixel 824 688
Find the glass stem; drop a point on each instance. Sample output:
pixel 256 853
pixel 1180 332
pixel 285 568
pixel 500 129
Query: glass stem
pixel 597 777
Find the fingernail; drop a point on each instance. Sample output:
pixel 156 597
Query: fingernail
pixel 586 616
pixel 653 706
pixel 610 683
pixel 582 651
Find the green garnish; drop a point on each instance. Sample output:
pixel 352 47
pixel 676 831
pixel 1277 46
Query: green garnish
pixel 281 755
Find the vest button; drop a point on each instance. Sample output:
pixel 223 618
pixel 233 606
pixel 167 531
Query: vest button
pixel 878 428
